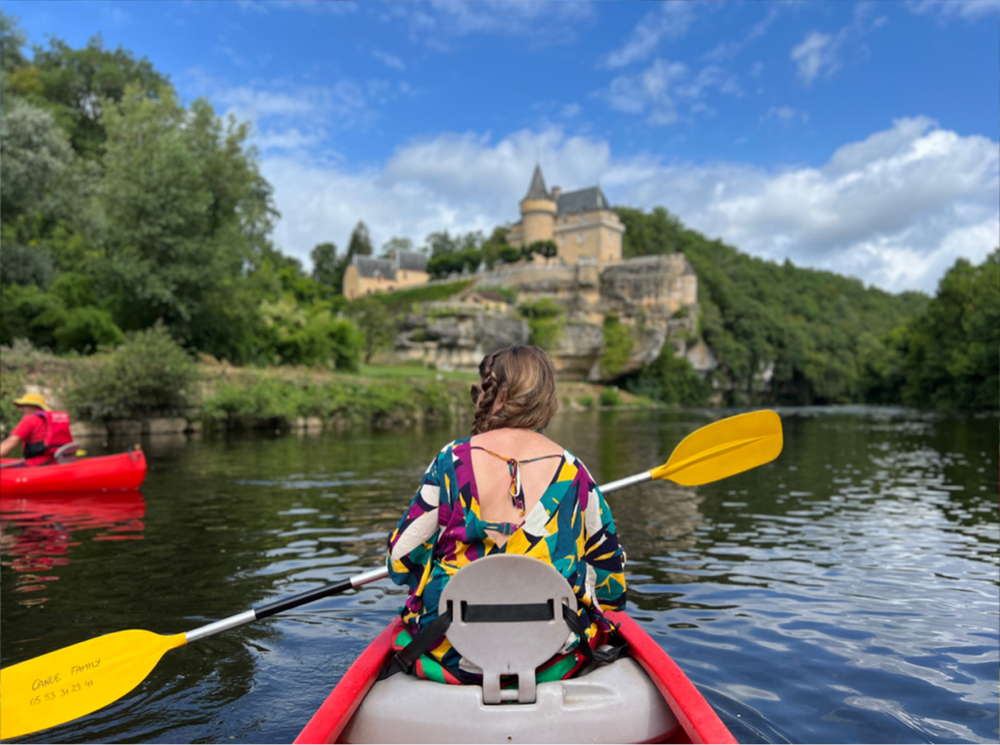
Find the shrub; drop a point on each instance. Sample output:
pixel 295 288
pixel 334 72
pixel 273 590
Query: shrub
pixel 148 374
pixel 618 343
pixel 586 402
pixel 544 321
pixel 610 397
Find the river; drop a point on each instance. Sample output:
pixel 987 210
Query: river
pixel 846 592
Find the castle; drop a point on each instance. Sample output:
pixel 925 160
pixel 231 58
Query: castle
pixel 581 223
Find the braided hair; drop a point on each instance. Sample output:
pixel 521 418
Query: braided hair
pixel 525 379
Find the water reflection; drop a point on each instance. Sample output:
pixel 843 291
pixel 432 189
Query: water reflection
pixel 37 532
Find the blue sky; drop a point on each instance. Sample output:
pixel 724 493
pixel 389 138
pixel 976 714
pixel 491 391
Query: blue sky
pixel 859 137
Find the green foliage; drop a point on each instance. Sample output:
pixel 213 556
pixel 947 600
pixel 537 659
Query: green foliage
pixel 509 254
pixel 952 349
pixel 509 294
pixel 544 321
pixel 75 84
pixel 543 248
pixel 375 323
pixel 405 299
pixel 610 396
pixel 360 243
pixel 818 332
pixel 49 321
pixel 586 402
pixel 324 258
pixel 26 265
pixel 670 379
pixel 455 262
pixel 310 335
pixel 149 374
pixel 656 233
pixel 270 402
pixel 618 345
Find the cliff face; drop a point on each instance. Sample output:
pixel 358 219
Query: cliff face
pixel 654 299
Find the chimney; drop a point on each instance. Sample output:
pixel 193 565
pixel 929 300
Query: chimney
pixel 556 191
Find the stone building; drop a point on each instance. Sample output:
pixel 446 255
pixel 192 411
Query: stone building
pixel 581 223
pixel 365 275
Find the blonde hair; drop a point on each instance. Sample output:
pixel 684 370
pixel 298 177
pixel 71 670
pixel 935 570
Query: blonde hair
pixel 527 376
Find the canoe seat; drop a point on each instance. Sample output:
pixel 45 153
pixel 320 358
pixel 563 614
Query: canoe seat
pixel 507 619
pixel 613 703
pixel 66 453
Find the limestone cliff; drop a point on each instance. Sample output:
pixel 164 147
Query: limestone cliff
pixel 654 298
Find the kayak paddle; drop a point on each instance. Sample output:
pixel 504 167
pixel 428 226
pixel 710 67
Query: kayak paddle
pixel 60 686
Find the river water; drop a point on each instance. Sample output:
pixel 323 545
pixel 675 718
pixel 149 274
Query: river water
pixel 847 592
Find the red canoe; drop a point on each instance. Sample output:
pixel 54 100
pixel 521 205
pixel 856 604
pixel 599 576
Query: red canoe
pixel 652 701
pixel 103 473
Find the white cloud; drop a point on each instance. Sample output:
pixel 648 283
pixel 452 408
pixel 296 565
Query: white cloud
pixel 970 10
pixel 669 21
pixel 727 50
pixel 823 54
pixel 263 7
pixel 895 209
pixel 785 115
pixel 541 22
pixel 814 54
pixel 659 89
pixel 280 109
pixel 388 60
pixel 290 139
pixel 570 110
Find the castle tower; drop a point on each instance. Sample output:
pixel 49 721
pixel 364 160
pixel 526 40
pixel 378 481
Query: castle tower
pixel 538 211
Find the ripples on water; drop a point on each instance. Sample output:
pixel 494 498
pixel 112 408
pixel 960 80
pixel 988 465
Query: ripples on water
pixel 847 592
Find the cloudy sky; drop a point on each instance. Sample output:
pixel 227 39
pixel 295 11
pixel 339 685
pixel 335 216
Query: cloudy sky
pixel 859 137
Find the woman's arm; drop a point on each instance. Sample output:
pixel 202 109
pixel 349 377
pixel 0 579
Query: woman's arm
pixel 603 554
pixel 411 545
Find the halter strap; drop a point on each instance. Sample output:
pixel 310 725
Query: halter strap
pixel 516 490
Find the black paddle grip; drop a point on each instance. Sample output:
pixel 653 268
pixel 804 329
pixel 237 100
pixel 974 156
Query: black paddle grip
pixel 269 609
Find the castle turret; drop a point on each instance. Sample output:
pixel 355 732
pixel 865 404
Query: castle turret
pixel 538 211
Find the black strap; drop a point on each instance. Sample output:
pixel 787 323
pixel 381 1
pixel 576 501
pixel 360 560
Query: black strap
pixel 507 613
pixel 600 656
pixel 404 659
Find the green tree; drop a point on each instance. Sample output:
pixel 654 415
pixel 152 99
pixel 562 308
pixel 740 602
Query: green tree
pixel 187 209
pixel 394 245
pixel 375 323
pixel 360 243
pixel 324 259
pixel 442 243
pixel 952 357
pixel 77 85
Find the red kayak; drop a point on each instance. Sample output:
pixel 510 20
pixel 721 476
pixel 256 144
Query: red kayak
pixel 104 473
pixel 642 697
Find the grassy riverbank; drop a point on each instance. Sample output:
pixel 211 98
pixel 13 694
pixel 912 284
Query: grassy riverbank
pixel 147 379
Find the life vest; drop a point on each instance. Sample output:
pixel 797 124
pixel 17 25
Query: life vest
pixel 57 434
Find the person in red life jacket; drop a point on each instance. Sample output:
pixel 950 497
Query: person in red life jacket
pixel 40 432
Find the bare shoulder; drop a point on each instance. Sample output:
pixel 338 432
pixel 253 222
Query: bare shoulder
pixel 517 443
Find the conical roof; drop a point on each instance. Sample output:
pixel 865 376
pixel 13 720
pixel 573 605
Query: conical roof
pixel 537 189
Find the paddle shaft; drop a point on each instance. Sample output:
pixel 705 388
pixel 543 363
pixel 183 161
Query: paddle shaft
pixel 335 588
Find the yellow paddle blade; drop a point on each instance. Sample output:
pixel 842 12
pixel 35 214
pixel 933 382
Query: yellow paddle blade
pixel 69 683
pixel 724 448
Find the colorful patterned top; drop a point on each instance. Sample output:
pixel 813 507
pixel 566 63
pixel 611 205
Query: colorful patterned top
pixel 570 527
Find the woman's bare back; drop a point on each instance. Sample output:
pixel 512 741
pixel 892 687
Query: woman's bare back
pixel 493 474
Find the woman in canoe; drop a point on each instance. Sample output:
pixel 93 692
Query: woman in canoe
pixel 507 489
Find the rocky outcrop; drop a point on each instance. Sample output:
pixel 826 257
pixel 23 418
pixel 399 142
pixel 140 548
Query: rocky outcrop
pixel 457 337
pixel 655 298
